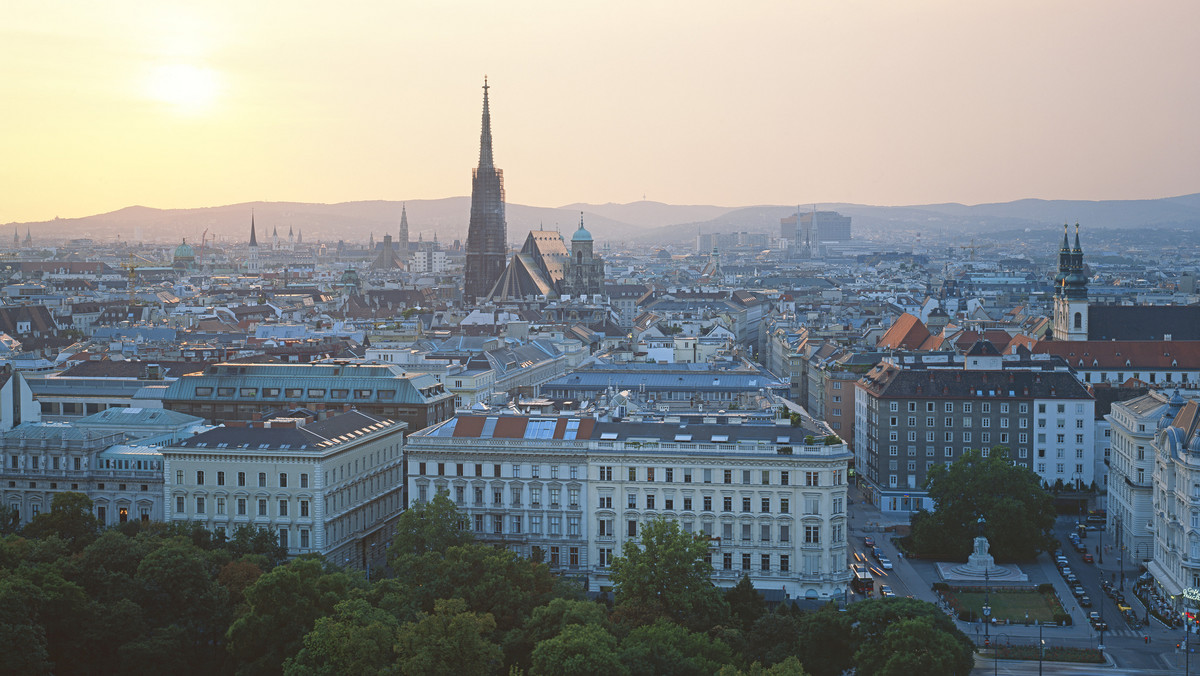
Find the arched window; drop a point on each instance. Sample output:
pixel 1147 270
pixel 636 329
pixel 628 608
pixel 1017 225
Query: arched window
pixel 578 256
pixel 1079 320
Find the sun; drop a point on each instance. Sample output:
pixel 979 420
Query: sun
pixel 188 88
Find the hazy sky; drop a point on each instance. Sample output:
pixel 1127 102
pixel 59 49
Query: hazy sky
pixel 165 104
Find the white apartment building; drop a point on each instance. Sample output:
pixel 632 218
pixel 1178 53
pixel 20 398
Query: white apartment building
pixel 1176 502
pixel 1134 424
pixel 575 490
pixel 332 486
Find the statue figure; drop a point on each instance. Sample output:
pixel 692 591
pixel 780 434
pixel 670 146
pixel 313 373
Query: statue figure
pixel 981 546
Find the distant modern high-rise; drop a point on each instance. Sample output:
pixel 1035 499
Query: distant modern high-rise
pixel 487 234
pixel 807 231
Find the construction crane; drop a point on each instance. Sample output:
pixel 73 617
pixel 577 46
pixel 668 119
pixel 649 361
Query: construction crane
pixel 973 248
pixel 132 266
pixel 200 258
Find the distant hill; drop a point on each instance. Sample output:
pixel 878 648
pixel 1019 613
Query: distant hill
pixel 638 222
pixel 1028 213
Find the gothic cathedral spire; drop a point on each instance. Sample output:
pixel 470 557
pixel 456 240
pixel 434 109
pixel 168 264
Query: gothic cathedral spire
pixel 487 233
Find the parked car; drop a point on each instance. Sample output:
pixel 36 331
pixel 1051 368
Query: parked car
pixel 1066 572
pixel 885 563
pixel 1088 558
pixel 1071 579
pixel 1060 560
pixel 869 541
pixel 1079 591
pixel 1085 602
pixel 877 553
pixel 886 591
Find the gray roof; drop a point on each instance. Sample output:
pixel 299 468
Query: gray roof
pixel 314 436
pixel 139 417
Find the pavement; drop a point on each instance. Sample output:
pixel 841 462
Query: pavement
pixel 1126 646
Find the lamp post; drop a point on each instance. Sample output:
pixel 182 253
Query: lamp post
pixel 987 592
pixel 1041 648
pixel 1120 556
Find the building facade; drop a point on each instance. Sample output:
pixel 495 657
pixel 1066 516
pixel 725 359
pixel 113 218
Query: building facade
pixel 333 486
pixel 1176 525
pixel 1131 495
pixel 913 412
pixel 575 491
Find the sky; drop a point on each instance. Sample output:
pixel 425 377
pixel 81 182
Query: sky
pixel 171 104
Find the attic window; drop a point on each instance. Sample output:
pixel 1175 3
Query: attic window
pixel 608 436
pixel 719 438
pixel 683 437
pixel 783 440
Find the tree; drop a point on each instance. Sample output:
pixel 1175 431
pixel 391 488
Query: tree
pixel 875 631
pixel 280 608
pixel 70 518
pixel 427 527
pixel 1019 514
pixel 581 649
pixel 745 602
pixel 825 641
pixel 789 667
pixel 357 640
pixel 668 576
pixel 772 638
pixel 667 649
pixel 914 646
pixel 450 642
pixel 547 621
pixel 10 520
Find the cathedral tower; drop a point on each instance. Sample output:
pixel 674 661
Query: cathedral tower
pixel 1070 292
pixel 487 234
pixel 402 237
pixel 252 265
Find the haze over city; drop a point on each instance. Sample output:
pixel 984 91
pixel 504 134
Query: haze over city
pixel 188 105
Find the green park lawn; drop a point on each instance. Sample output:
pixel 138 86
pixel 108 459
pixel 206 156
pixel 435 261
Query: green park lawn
pixel 1008 605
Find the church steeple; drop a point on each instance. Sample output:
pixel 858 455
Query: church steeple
pixel 402 237
pixel 485 136
pixel 1064 263
pixel 253 239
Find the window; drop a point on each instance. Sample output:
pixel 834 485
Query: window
pixel 811 479
pixel 304 538
pixel 515 524
pixel 745 562
pixel 220 505
pixel 783 478
pixel 606 473
pixel 728 476
pixel 783 506
pixel 606 502
pixel 708 503
pixel 241 506
pixel 765 561
pixel 199 505
pixel 262 507
pixel 727 561
pixel 632 500
pixel 262 479
pixel 283 538
pixel 283 508
pixel 180 505
pixel 766 505
pixel 631 525
pixel 650 501
pixel 727 503
pixel 785 533
pixel 498 524
pixel 784 563
pixel 633 474
pixel 670 474
pixel 178 476
pixel 304 508
pixel 687 504
pixel 282 480
pixel 304 482
pixel 812 535
pixel 649 474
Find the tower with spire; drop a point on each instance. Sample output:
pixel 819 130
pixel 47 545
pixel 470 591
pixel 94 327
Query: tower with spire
pixel 275 238
pixel 487 232
pixel 402 237
pixel 1070 291
pixel 252 264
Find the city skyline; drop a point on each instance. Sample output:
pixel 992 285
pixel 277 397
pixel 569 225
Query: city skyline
pixel 173 107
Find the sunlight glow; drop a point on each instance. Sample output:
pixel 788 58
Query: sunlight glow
pixel 190 89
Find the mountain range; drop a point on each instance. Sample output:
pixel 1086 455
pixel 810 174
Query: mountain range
pixel 648 223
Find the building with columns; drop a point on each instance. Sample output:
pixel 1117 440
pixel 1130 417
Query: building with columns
pixel 333 486
pixel 574 490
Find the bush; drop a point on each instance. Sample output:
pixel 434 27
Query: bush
pixel 968 615
pixel 1045 588
pixel 832 440
pixel 941 587
pixel 1062 619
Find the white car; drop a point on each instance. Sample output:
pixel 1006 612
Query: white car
pixel 885 563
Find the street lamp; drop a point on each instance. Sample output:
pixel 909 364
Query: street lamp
pixel 987 593
pixel 1120 556
pixel 1041 648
